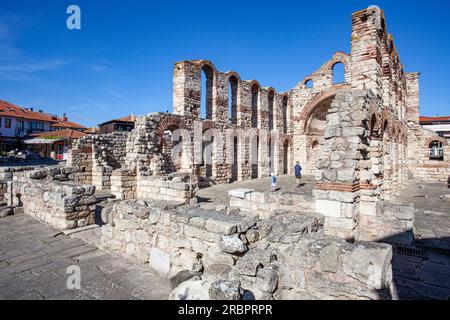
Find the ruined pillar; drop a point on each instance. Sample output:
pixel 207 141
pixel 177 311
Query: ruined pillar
pixel 366 50
pixel 412 97
pixel 186 89
pixel 343 154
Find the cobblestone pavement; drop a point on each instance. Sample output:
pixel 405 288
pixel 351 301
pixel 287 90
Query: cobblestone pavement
pixel 34 260
pixel 219 194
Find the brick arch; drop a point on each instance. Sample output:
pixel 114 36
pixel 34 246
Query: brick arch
pixel 436 138
pixel 313 103
pixel 308 78
pixel 386 122
pixel 202 63
pixel 270 89
pixel 338 57
pixel 253 82
pixel 208 124
pixel 169 121
pixel 374 128
pixel 229 74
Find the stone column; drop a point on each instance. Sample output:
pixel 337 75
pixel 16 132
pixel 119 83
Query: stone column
pixel 343 150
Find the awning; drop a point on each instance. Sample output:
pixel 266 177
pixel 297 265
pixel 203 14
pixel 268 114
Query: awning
pixel 41 141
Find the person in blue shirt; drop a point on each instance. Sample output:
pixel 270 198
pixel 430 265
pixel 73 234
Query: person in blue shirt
pixel 298 173
pixel 274 181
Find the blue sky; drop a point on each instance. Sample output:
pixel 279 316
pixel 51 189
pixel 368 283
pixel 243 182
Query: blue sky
pixel 122 59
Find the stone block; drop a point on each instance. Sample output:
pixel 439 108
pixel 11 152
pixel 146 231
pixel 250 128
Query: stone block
pixel 239 193
pixel 159 260
pixel 328 208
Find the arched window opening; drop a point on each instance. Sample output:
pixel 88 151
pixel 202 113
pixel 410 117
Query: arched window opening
pixel 338 73
pixel 309 84
pixel 255 157
pixel 436 151
pixel 232 99
pixel 234 173
pixel 255 97
pixel 172 149
pixel 207 82
pixel 285 113
pixel 373 123
pixel 270 153
pixel 286 157
pixel 208 156
pixel 271 98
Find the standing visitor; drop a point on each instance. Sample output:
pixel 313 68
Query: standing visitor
pixel 274 181
pixel 298 173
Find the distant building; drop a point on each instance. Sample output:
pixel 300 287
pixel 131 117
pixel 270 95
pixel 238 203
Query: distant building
pixel 440 125
pixel 53 144
pixel 17 123
pixel 118 125
pixel 92 130
pixel 64 124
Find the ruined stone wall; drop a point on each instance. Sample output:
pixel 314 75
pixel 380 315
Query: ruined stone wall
pixel 97 156
pixel 162 144
pixel 48 196
pixel 271 106
pixel 282 258
pixel 357 168
pixel 7 173
pixel 420 165
pixel 170 188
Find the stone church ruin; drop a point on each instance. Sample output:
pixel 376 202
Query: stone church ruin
pixel 360 140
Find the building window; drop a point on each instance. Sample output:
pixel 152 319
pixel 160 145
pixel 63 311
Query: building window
pixel 1 122
pixel 8 123
pixel 436 150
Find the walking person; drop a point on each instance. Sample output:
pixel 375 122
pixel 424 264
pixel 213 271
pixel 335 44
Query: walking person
pixel 274 182
pixel 298 173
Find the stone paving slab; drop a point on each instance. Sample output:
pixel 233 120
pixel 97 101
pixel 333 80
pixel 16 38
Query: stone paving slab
pixel 218 194
pixel 34 260
pixel 432 216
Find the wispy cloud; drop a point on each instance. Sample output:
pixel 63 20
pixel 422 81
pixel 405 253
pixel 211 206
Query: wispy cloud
pixel 116 94
pixel 12 27
pixel 35 67
pixel 15 65
pixel 102 66
pixel 25 71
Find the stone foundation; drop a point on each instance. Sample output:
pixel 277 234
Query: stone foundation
pixel 284 257
pixel 44 196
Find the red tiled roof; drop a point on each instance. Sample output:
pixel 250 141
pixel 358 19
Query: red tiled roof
pixel 10 110
pixel 131 118
pixel 67 124
pixel 61 134
pixel 434 119
pixel 126 119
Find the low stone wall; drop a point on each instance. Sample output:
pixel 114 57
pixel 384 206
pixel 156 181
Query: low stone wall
pixel 175 187
pixel 433 171
pixel 123 184
pixel 171 239
pixel 284 257
pixel 44 195
pixel 7 173
pixel 391 222
pixel 318 267
pixel 98 156
pixel 265 205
